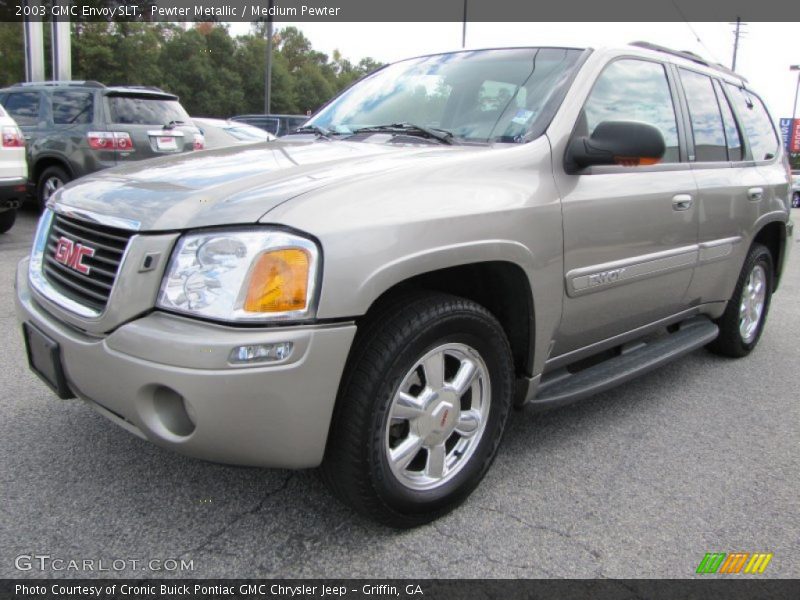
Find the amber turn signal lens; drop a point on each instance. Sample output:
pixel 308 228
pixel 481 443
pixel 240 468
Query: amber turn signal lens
pixel 279 282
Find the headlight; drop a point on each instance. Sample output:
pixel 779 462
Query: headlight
pixel 247 275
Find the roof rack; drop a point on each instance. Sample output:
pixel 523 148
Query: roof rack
pixel 92 84
pixel 688 55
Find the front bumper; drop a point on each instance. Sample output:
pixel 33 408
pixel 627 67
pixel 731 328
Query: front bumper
pixel 152 373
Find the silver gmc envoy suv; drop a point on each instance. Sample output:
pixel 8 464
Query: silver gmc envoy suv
pixel 452 236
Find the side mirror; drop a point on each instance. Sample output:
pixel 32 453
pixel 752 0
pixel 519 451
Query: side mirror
pixel 627 143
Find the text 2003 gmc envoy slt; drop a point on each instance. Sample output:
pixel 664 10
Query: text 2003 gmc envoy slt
pixel 453 235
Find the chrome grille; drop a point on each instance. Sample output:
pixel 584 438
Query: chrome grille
pixel 91 289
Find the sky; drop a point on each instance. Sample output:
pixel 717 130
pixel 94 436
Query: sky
pixel 765 51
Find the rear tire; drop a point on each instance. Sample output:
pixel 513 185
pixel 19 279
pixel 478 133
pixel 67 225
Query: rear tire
pixel 51 179
pixel 7 218
pixel 741 324
pixel 421 409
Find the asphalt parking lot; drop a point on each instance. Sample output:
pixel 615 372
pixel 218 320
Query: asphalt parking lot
pixel 700 456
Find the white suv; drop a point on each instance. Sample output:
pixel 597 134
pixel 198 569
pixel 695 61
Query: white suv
pixel 13 170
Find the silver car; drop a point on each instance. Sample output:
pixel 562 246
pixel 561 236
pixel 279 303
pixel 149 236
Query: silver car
pixel 455 235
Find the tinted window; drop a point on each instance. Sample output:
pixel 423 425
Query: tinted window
pixel 294 123
pixel 733 136
pixel 71 108
pixel 143 110
pixel 23 107
pixel 709 134
pixel 270 125
pixel 635 90
pixel 757 124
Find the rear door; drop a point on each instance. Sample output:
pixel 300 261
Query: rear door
pixel 156 123
pixel 630 232
pixel 731 188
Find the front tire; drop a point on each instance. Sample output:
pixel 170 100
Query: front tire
pixel 421 410
pixel 742 323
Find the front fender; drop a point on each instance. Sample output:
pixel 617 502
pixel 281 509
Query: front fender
pixel 401 269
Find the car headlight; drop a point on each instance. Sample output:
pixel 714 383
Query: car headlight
pixel 245 275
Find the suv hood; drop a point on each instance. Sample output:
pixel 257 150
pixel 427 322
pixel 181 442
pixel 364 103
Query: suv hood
pixel 235 185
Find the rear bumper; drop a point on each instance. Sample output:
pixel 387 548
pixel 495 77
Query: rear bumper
pixel 167 379
pixel 12 192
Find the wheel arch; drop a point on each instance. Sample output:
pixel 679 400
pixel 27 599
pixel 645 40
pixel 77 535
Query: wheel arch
pixel 772 234
pixel 502 287
pixel 47 161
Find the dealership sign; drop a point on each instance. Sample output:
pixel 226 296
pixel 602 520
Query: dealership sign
pixel 791 134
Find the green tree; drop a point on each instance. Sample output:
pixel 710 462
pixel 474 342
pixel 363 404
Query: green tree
pixel 12 58
pixel 313 89
pixel 199 66
pixel 213 73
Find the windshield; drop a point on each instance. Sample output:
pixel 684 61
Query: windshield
pixel 144 110
pixel 485 95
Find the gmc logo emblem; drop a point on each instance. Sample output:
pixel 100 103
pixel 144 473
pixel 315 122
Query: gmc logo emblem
pixel 71 254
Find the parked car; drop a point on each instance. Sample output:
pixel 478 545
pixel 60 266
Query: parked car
pixel 221 133
pixel 13 170
pixel 374 293
pixel 796 189
pixel 78 127
pixel 277 125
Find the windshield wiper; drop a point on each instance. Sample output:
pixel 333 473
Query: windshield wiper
pixel 319 131
pixel 444 136
pixel 173 124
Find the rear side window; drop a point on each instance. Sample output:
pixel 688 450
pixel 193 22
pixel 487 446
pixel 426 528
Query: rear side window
pixel 24 107
pixel 143 110
pixel 635 90
pixel 705 116
pixel 72 108
pixel 757 124
pixel 733 136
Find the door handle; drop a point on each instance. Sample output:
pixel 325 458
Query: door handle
pixel 682 202
pixel 755 194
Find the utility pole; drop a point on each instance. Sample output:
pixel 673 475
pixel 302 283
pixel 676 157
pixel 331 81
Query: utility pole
pixel 34 45
pixel 736 41
pixel 61 46
pixel 792 129
pixel 464 27
pixel 268 65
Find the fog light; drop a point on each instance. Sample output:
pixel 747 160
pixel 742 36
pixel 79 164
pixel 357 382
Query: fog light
pixel 261 353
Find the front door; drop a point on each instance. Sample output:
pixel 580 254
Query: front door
pixel 630 232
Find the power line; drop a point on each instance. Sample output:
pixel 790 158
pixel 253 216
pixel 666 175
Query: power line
pixel 694 32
